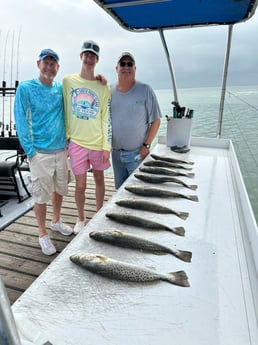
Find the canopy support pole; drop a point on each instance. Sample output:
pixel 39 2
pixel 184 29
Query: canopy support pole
pixel 8 331
pixel 169 64
pixel 223 88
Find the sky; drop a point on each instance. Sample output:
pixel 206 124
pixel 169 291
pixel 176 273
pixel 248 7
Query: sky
pixel 27 27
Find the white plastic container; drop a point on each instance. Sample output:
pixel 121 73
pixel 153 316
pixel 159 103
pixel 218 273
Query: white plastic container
pixel 179 131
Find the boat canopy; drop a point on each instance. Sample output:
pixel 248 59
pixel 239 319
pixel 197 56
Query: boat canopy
pixel 160 15
pixel 149 15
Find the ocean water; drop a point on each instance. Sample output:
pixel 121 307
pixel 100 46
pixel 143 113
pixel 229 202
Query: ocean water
pixel 240 123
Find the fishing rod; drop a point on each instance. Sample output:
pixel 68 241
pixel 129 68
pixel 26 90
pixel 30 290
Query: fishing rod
pixel 0 46
pixel 4 84
pixel 0 63
pixel 242 100
pixel 11 96
pixel 17 67
pixel 18 56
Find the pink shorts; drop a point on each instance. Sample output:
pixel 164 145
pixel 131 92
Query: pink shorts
pixel 82 159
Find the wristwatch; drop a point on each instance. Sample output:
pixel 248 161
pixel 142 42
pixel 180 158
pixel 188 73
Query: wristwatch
pixel 146 145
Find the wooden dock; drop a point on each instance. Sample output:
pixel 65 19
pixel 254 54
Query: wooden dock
pixel 21 259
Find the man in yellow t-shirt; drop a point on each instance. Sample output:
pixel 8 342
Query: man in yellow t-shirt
pixel 88 127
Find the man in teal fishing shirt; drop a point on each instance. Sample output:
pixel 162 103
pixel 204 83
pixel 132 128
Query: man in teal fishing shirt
pixel 39 119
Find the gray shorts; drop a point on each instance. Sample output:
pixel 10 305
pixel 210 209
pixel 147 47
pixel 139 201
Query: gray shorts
pixel 49 174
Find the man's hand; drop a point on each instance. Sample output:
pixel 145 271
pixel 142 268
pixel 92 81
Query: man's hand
pixel 101 78
pixel 106 156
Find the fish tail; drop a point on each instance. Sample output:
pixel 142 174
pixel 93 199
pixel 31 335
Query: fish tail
pixel 193 186
pixel 183 255
pixel 183 215
pixel 178 278
pixel 190 174
pixel 193 197
pixel 180 230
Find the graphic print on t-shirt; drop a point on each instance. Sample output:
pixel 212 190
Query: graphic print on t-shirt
pixel 85 103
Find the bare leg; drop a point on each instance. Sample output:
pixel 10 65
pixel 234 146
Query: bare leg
pixel 80 188
pixel 40 212
pixel 100 188
pixel 57 204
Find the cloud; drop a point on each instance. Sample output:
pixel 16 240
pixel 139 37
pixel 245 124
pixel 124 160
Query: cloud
pixel 197 54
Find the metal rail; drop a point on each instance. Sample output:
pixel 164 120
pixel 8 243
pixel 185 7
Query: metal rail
pixel 8 331
pixel 170 65
pixel 224 82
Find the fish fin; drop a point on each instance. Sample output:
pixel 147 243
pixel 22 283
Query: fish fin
pixel 178 278
pixel 101 257
pixel 157 253
pixel 184 255
pixel 151 268
pixel 180 230
pixel 183 215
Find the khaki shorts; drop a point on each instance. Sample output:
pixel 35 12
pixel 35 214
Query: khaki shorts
pixel 49 174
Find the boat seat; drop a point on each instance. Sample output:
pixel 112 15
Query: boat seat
pixel 12 182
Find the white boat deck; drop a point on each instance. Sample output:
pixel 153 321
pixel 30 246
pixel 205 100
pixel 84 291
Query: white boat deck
pixel 13 210
pixel 67 305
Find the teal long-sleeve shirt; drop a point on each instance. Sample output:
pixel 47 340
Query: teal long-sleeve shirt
pixel 39 117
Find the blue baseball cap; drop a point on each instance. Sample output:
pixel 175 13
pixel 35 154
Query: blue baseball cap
pixel 48 52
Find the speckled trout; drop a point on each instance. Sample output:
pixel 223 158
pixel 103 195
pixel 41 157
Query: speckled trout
pixel 164 171
pixel 141 204
pixel 126 240
pixel 130 219
pixel 170 159
pixel 157 192
pixel 163 179
pixel 158 163
pixel 120 270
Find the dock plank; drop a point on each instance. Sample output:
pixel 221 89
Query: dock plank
pixel 16 280
pixel 31 253
pixel 21 260
pixel 21 265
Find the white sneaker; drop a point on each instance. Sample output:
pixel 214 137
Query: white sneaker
pixel 46 245
pixel 64 229
pixel 78 227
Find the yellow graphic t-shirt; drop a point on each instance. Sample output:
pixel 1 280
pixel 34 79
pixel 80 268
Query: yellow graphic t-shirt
pixel 87 112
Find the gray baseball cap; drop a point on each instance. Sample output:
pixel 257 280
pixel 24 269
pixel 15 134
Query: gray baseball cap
pixel 90 46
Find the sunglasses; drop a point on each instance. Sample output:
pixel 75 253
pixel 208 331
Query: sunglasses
pixel 91 46
pixel 123 64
